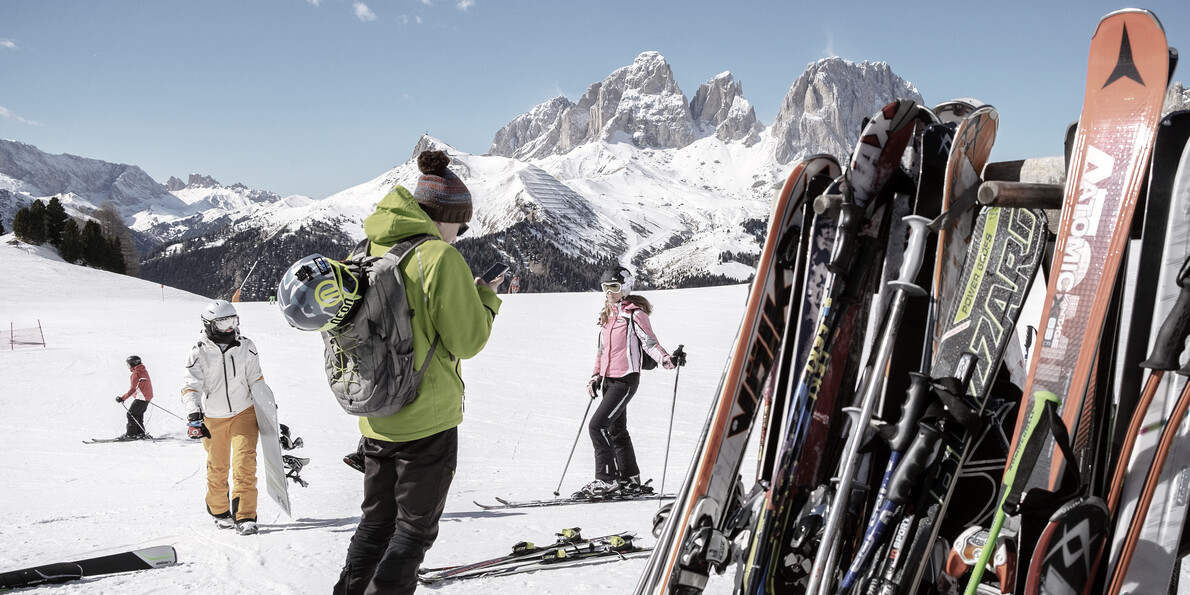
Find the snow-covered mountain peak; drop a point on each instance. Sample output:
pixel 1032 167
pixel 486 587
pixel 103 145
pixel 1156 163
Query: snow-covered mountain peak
pixel 720 109
pixel 32 172
pixel 824 107
pixel 640 104
pixel 533 132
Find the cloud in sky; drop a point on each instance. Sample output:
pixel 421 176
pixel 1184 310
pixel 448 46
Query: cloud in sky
pixel 829 50
pixel 465 4
pixel 314 2
pixel 4 113
pixel 363 13
pixel 8 43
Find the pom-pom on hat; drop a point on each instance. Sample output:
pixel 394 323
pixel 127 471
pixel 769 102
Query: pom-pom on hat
pixel 441 194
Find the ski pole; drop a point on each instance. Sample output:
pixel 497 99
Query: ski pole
pixel 1024 458
pixel 820 582
pixel 142 427
pixel 558 490
pixel 166 410
pixel 673 407
pixel 1171 338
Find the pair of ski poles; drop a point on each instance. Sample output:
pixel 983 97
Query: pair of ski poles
pixel 679 360
pixel 142 427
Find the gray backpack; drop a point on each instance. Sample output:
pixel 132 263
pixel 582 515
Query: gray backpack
pixel 369 356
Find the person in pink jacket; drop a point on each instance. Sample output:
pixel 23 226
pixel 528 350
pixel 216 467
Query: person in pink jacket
pixel 625 338
pixel 141 391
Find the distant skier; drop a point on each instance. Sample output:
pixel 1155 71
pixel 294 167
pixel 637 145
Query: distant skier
pixel 141 392
pixel 625 337
pixel 221 371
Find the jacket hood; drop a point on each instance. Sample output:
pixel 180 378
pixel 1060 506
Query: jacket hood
pixel 396 217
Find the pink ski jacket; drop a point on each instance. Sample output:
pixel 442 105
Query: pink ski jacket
pixel 617 356
pixel 140 384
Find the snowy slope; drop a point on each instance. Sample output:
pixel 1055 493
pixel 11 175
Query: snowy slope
pixel 525 399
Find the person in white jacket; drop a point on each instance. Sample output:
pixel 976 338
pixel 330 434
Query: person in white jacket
pixel 221 371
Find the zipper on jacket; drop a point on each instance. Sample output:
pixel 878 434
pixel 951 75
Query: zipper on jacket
pixel 226 384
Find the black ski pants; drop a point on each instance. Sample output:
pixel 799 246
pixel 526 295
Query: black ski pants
pixel 136 418
pixel 405 486
pixel 614 455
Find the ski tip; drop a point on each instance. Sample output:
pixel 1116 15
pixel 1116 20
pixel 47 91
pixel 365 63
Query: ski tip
pixel 1123 11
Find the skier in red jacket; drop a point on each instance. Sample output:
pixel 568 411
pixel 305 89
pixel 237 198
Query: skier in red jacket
pixel 141 390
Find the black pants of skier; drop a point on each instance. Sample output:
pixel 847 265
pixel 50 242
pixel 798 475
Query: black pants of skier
pixel 405 486
pixel 614 455
pixel 136 418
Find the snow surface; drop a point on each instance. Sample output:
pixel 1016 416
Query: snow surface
pixel 66 500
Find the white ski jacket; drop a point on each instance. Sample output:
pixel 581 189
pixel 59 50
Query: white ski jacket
pixel 219 383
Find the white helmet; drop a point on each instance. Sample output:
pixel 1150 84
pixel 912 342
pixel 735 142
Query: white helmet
pixel 220 320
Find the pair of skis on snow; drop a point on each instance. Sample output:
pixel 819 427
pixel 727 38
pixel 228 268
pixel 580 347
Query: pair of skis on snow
pixel 569 549
pixel 566 501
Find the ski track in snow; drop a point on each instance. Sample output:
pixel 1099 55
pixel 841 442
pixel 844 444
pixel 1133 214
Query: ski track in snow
pixel 67 500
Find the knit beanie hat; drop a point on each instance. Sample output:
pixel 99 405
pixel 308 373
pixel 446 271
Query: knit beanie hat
pixel 441 194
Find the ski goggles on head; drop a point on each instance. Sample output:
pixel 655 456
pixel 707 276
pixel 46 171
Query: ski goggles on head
pixel 612 287
pixel 226 324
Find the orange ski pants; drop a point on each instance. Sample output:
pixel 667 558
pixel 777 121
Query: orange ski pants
pixel 232 447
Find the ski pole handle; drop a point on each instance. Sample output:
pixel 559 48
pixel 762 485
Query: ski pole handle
pixel 916 400
pixel 851 217
pixel 914 254
pixel 919 456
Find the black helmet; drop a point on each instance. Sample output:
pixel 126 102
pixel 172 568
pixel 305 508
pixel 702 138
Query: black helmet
pixel 133 361
pixel 616 275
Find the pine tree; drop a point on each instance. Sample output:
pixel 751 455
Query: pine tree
pixel 20 223
pixel 29 223
pixel 71 249
pixel 94 247
pixel 114 257
pixel 113 227
pixel 55 221
pixel 37 222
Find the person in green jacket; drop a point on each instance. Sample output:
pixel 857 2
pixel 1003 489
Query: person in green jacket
pixel 409 456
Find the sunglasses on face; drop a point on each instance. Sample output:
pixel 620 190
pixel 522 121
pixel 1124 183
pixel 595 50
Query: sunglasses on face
pixel 462 230
pixel 611 288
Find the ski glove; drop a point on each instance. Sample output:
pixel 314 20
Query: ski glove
pixel 667 362
pixel 119 399
pixel 195 428
pixel 678 356
pixel 593 385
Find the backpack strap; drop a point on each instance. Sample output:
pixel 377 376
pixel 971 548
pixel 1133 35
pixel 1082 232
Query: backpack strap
pixel 398 252
pixel 361 249
pixel 634 332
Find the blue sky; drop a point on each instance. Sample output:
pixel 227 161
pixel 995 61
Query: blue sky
pixel 314 96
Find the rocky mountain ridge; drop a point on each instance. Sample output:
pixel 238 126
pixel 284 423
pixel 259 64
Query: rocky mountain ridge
pixel 633 172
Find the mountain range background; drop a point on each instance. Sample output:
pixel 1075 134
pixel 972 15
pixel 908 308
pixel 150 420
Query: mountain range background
pixel 635 172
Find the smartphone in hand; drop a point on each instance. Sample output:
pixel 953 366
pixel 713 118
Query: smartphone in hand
pixel 494 271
